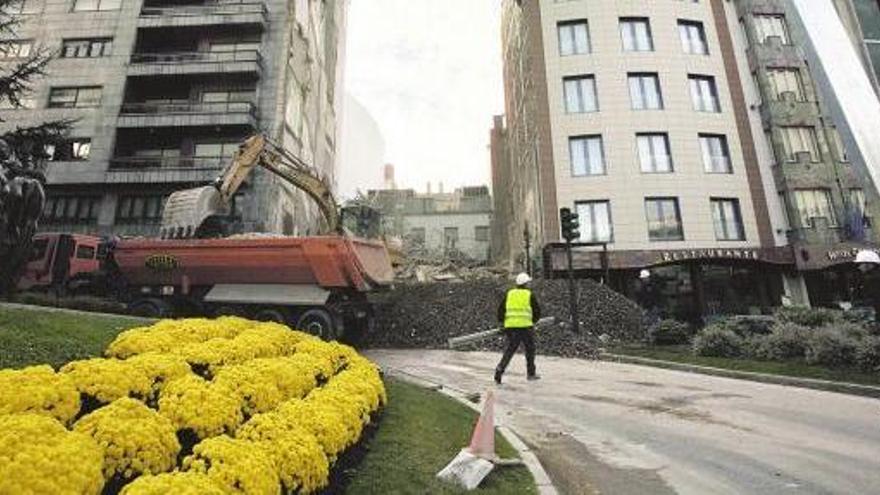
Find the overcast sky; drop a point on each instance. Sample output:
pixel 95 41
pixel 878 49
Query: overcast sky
pixel 429 72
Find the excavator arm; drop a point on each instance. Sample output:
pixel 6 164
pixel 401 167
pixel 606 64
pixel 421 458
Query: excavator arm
pixel 187 211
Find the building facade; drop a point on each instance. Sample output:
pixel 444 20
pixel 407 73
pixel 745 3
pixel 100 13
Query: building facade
pixel 162 93
pixel 691 140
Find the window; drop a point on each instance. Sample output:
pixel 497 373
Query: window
pixel 727 218
pixel 417 236
pixel 83 97
pixel 693 37
pixel 644 91
pixel 87 48
pixel 654 154
pixel 767 26
pixel 814 203
pixel 135 208
pixel 799 139
pixel 245 95
pixel 857 201
pixel 481 233
pixel 450 238
pixel 231 50
pixel 574 37
pixel 158 157
pixel 24 7
pixel 11 50
pixel 704 94
pixel 716 154
pixel 839 148
pixel 92 5
pixel 586 155
pixel 635 33
pixel 664 219
pixel 214 154
pixel 595 221
pixel 70 150
pixel 580 94
pixel 85 252
pixel 72 209
pixel 786 81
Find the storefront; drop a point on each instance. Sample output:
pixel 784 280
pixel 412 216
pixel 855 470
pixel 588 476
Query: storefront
pixel 829 272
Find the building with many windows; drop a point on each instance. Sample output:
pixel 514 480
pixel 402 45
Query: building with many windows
pixel 163 91
pixel 691 140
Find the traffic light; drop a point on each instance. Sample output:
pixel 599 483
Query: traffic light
pixel 570 224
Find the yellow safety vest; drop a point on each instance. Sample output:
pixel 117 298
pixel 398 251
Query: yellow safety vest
pixel 518 309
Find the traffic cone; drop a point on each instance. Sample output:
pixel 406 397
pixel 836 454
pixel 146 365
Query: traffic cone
pixel 483 440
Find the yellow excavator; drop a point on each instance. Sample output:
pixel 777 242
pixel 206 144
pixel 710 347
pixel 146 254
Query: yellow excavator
pixel 195 213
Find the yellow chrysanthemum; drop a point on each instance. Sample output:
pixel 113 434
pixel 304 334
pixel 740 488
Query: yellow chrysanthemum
pixel 240 466
pixel 262 384
pixel 202 406
pixel 38 390
pixel 168 335
pixel 177 483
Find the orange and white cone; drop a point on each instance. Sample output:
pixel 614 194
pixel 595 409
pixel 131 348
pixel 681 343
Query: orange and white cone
pixel 483 440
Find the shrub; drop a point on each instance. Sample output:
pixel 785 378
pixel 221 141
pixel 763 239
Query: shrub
pixel 745 326
pixel 809 317
pixel 868 354
pixel 785 341
pixel 718 341
pixel 850 329
pixel 669 332
pixel 831 347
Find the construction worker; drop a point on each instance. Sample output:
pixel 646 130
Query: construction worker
pixel 518 312
pixel 867 290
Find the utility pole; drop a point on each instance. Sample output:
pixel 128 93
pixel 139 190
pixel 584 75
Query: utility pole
pixel 570 232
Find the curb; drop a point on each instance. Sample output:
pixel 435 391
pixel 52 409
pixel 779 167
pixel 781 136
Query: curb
pixel 811 383
pixel 54 309
pixel 543 482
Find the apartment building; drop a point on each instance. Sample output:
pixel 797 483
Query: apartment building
pixel 690 139
pixel 162 91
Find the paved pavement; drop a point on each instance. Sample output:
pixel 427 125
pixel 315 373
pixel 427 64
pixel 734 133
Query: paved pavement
pixel 611 428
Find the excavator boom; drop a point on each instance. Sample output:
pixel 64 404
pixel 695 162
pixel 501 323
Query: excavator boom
pixel 187 211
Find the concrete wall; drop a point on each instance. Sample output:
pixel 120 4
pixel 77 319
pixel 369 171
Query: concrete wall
pixel 466 223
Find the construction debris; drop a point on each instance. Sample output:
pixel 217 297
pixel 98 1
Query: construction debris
pixel 426 315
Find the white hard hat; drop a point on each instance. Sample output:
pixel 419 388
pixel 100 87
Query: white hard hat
pixel 523 279
pixel 866 256
pixel 644 274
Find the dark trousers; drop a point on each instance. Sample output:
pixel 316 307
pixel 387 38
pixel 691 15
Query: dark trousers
pixel 516 336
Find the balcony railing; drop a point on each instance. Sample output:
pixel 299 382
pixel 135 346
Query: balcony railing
pixel 206 9
pixel 212 163
pixel 196 57
pixel 239 107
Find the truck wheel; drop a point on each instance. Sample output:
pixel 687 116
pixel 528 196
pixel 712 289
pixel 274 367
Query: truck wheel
pixel 230 310
pixel 319 323
pixel 272 315
pixel 150 308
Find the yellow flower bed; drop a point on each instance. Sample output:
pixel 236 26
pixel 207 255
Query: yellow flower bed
pixel 263 408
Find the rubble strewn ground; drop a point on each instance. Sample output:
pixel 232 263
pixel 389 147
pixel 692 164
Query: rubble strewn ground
pixel 426 315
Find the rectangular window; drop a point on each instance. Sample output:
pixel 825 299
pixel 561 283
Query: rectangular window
pixel 814 203
pixel 87 48
pixel 580 94
pixel 70 150
pixel 481 233
pixel 635 32
pixel 693 37
pixel 595 221
pixel 12 50
pixel 857 201
pixel 654 154
pixel 450 238
pixel 82 97
pixel 84 252
pixel 93 5
pixel 716 154
pixel 664 219
pixel 136 208
pixel 704 94
pixel 644 91
pixel 786 81
pixel 727 218
pixel 72 209
pixel 799 139
pixel 767 26
pixel 839 148
pixel 587 155
pixel 574 37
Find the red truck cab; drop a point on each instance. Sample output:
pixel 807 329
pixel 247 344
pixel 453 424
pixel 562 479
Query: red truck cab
pixel 62 261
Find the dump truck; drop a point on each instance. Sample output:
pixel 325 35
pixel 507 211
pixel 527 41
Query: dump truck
pixel 317 283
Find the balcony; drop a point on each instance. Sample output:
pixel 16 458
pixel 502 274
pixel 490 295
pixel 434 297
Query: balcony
pixel 208 14
pixel 138 170
pixel 184 63
pixel 236 113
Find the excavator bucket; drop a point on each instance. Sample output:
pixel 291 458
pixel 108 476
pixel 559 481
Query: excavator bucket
pixel 187 210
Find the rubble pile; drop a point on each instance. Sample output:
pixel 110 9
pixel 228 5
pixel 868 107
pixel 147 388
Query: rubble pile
pixel 425 316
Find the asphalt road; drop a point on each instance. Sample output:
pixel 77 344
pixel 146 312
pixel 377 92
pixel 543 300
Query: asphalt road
pixel 601 427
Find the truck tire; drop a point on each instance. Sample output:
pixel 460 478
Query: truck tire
pixel 230 310
pixel 318 322
pixel 150 308
pixel 273 315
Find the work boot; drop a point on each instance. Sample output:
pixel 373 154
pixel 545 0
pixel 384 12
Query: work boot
pixel 497 377
pixel 533 378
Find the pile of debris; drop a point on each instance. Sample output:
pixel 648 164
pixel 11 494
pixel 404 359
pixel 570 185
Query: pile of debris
pixel 425 316
pixel 423 270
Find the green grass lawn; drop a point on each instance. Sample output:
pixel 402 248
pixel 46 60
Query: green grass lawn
pixel 29 337
pixel 795 368
pixel 420 433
